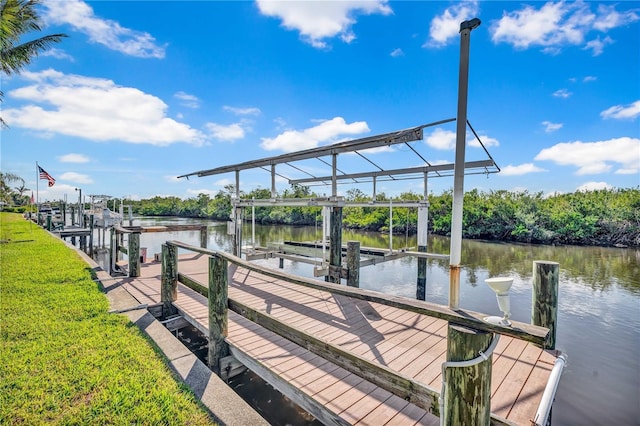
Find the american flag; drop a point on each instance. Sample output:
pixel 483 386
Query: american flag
pixel 46 176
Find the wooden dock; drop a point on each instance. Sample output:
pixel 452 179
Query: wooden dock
pixel 410 344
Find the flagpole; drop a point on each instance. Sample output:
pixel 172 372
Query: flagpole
pixel 37 190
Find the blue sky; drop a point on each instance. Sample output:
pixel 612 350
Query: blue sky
pixel 141 92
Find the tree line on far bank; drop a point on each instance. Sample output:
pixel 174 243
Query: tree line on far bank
pixel 608 217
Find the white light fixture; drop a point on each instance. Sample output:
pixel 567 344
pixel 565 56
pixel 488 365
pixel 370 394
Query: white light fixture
pixel 501 286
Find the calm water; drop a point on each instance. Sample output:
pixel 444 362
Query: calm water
pixel 599 303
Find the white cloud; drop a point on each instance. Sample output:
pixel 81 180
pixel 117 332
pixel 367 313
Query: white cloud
pixel 96 109
pixel 622 112
pixel 327 131
pixel 397 52
pixel 446 140
pixel 558 24
pixel 609 18
pixel 242 111
pixel 551 127
pixel 172 179
pixel 227 133
pixel 376 150
pixel 596 157
pixel 58 54
pixel 318 20
pixel 562 93
pixel 280 123
pixel 522 169
pixel 486 141
pixel 75 178
pixel 187 100
pixel 109 33
pixel 441 139
pixel 73 158
pixel 593 186
pixel 446 27
pixel 597 45
pixel 589 78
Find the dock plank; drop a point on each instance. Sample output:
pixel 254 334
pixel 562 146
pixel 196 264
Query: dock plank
pixel 409 343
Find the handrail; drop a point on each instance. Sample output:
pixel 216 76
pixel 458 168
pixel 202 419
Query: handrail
pixel 523 331
pixel 544 409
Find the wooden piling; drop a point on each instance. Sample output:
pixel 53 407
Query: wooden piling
pixel 335 249
pixel 421 285
pixel 353 263
pixel 204 236
pixel 468 389
pixel 49 222
pixel 281 262
pixel 544 306
pixel 169 279
pixel 218 308
pixel 134 254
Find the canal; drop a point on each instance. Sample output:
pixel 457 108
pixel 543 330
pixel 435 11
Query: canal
pixel 599 302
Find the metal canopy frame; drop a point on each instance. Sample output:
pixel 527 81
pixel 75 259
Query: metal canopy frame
pixel 404 136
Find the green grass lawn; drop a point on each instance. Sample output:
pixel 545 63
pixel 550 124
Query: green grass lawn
pixel 63 358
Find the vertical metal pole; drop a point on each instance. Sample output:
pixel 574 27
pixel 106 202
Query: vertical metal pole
pixel 253 225
pixel 80 209
pixel 238 218
pixel 374 189
pixel 458 180
pixel 326 229
pixel 273 181
pixel 423 234
pixel 334 181
pixel 391 226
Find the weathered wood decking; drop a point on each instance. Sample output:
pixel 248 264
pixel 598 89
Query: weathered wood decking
pixel 409 343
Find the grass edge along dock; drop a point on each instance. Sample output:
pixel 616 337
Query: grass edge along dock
pixel 64 358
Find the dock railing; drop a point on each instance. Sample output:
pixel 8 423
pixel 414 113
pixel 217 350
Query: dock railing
pixel 465 324
pixel 133 248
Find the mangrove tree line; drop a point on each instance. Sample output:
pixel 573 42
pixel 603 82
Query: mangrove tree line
pixel 609 217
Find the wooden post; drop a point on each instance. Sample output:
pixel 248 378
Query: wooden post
pixel 218 308
pixel 335 248
pixel 353 263
pixel 544 307
pixel 133 251
pixel 169 279
pixel 468 389
pixel 204 236
pixel 49 222
pixel 281 262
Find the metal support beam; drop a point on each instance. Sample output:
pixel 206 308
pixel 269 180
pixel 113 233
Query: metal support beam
pixel 273 181
pixel 406 171
pixel 459 165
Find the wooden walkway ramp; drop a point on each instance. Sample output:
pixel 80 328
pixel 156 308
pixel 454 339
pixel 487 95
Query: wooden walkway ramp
pixel 408 343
